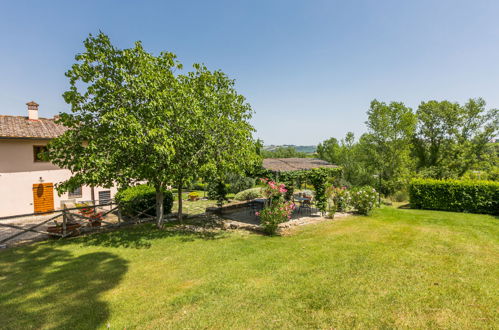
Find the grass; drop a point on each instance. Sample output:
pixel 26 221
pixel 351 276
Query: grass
pixel 396 269
pixel 195 207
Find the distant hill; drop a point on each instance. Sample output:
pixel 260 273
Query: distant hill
pixel 305 149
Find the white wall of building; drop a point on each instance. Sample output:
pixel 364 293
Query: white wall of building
pixel 17 156
pixel 19 172
pixel 16 190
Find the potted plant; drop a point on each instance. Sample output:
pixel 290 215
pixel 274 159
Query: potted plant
pixel 95 220
pixel 72 228
pixel 193 196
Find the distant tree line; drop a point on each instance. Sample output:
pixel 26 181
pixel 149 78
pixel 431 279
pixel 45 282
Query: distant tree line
pixel 284 152
pixel 439 140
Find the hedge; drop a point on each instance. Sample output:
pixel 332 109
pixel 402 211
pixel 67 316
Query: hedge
pixel 139 198
pixel 455 195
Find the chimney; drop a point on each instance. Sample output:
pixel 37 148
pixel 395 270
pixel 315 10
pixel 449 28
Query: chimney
pixel 32 110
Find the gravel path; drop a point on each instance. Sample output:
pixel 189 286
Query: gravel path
pixel 25 222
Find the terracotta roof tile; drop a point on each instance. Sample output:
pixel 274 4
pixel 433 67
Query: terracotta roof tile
pixel 294 164
pixel 22 127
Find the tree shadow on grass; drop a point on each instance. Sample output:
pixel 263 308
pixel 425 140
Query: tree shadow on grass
pixel 141 236
pixel 45 287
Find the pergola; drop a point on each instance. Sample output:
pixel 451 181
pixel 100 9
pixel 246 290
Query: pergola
pixel 295 164
pixel 316 171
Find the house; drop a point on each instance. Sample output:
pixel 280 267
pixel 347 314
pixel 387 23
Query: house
pixel 26 179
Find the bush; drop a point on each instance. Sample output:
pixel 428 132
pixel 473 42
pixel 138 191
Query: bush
pixel 249 194
pixel 193 195
pixel 198 186
pixel 238 183
pixel 364 199
pixel 455 195
pixel 218 191
pixel 400 196
pixel 274 214
pixel 339 197
pixel 142 198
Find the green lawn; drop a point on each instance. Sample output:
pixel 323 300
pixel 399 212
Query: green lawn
pixel 396 269
pixel 194 207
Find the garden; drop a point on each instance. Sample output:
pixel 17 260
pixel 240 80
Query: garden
pixel 417 248
pixel 396 268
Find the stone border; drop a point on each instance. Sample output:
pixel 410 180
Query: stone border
pixel 234 225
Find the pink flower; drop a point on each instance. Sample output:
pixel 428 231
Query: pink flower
pixel 257 214
pixel 282 190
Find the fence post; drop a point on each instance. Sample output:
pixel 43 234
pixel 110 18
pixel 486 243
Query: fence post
pixel 119 214
pixel 64 222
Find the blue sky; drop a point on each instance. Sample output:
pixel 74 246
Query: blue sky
pixel 308 68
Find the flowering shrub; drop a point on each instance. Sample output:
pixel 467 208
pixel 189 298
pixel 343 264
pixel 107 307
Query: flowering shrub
pixel 274 191
pixel 340 197
pixel 193 195
pixel 277 210
pixel 364 199
pixel 87 211
pixel 274 214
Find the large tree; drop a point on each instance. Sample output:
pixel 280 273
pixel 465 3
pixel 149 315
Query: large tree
pixel 134 118
pixel 387 143
pixel 329 150
pixel 350 156
pixel 451 138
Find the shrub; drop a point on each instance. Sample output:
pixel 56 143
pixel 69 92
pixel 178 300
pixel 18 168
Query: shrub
pixel 339 197
pixel 193 195
pixel 274 191
pixel 455 195
pixel 400 196
pixel 198 186
pixel 142 198
pixel 274 214
pixel 238 182
pixel 218 191
pixel 364 199
pixel 249 194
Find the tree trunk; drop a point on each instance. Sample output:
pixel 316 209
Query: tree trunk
pixel 180 202
pixel 159 207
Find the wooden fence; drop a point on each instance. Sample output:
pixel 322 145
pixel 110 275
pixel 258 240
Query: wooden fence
pixel 66 222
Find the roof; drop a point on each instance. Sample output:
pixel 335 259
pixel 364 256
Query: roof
pixel 294 164
pixel 22 127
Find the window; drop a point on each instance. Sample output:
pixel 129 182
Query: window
pixel 40 153
pixel 104 197
pixel 75 193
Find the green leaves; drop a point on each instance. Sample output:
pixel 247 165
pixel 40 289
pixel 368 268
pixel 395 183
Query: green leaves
pixel 134 117
pixel 451 138
pixel 455 195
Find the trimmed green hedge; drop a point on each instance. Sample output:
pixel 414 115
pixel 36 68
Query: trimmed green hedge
pixel 455 195
pixel 139 198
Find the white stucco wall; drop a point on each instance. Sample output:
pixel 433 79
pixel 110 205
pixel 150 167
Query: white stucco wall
pixel 18 173
pixel 16 190
pixel 17 156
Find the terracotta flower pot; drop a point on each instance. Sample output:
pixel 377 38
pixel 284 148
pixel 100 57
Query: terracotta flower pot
pixel 95 223
pixel 70 228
